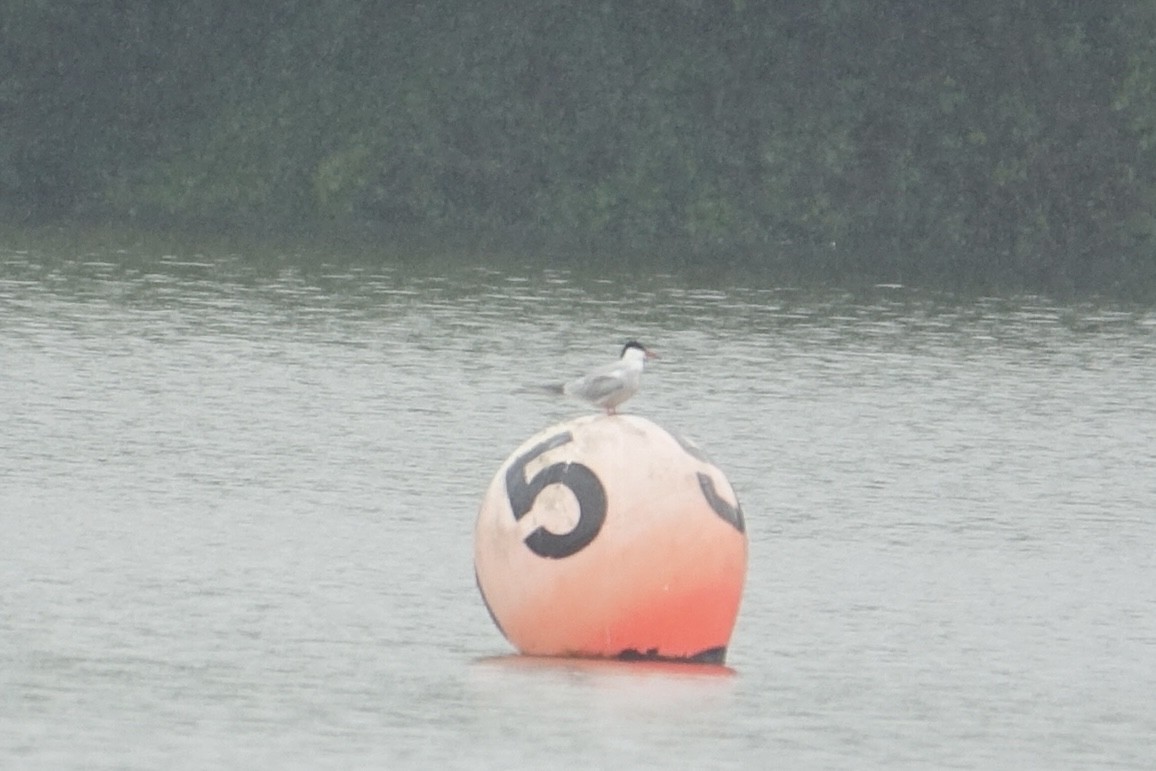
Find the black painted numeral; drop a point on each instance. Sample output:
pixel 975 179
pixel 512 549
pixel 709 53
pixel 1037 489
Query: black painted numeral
pixel 730 514
pixel 581 481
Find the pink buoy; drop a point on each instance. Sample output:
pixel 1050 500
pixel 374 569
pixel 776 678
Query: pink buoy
pixel 607 536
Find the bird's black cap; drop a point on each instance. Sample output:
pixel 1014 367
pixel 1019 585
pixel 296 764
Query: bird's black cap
pixel 633 344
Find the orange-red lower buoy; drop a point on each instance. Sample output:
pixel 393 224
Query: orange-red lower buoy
pixel 607 536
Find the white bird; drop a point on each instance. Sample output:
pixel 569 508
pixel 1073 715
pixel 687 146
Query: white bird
pixel 609 386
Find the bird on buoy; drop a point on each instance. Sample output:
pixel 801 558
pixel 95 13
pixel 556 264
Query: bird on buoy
pixel 611 385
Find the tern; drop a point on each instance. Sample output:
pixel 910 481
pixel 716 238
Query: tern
pixel 609 386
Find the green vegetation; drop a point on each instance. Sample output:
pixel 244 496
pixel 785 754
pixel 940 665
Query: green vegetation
pixel 999 142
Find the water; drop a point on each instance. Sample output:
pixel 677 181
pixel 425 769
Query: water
pixel 237 495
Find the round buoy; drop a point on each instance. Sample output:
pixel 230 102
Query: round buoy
pixel 607 536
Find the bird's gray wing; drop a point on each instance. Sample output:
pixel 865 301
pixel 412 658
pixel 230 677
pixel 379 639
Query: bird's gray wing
pixel 596 387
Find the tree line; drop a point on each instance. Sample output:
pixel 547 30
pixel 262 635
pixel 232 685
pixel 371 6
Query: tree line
pixel 1007 141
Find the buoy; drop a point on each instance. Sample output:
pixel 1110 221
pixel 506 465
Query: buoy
pixel 608 536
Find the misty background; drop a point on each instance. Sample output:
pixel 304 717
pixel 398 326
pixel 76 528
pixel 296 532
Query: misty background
pixel 989 144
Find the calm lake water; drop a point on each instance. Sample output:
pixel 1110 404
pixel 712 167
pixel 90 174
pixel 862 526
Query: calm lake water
pixel 237 498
